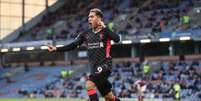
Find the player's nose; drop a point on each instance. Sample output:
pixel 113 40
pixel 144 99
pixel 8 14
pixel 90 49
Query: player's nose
pixel 89 19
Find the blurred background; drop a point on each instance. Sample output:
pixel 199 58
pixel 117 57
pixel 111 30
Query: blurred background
pixel 160 41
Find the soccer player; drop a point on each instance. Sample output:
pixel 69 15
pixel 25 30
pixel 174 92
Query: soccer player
pixel 98 42
pixel 140 85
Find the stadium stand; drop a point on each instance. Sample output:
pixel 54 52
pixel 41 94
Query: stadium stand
pixel 155 19
pixel 162 77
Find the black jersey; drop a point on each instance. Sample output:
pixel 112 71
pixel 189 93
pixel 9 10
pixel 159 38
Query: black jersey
pixel 98 47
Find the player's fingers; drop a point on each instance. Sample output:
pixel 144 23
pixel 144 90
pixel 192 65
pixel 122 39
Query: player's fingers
pixel 102 23
pixel 51 48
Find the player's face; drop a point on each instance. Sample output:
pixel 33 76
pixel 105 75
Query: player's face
pixel 93 20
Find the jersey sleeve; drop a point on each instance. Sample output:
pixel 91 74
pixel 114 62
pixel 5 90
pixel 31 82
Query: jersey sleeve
pixel 76 43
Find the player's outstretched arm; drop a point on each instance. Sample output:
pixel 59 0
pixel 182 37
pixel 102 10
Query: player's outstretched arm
pixel 77 42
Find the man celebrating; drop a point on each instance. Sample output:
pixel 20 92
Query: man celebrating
pixel 141 86
pixel 98 43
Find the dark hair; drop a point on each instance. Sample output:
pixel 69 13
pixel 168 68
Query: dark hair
pixel 98 12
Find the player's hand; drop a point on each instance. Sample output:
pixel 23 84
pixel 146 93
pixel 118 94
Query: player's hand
pixel 51 48
pixel 101 23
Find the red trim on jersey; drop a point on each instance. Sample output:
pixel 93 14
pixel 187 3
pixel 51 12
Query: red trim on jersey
pixel 108 46
pixel 91 92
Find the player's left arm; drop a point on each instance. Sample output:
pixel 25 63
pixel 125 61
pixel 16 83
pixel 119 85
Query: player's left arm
pixel 113 36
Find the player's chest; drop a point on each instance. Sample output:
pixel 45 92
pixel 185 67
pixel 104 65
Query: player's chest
pixel 95 40
pixel 94 37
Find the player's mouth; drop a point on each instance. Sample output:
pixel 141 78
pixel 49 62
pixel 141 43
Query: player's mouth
pixel 90 23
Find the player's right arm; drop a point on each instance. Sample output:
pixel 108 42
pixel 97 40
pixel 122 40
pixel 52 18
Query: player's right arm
pixel 77 42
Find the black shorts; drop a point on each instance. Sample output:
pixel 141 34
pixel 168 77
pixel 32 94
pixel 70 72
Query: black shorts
pixel 101 82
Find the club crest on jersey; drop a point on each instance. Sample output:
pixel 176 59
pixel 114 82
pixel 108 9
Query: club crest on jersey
pixel 101 44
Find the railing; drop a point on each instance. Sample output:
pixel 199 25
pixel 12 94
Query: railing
pixel 119 60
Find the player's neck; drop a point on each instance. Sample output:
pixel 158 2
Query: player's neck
pixel 97 29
